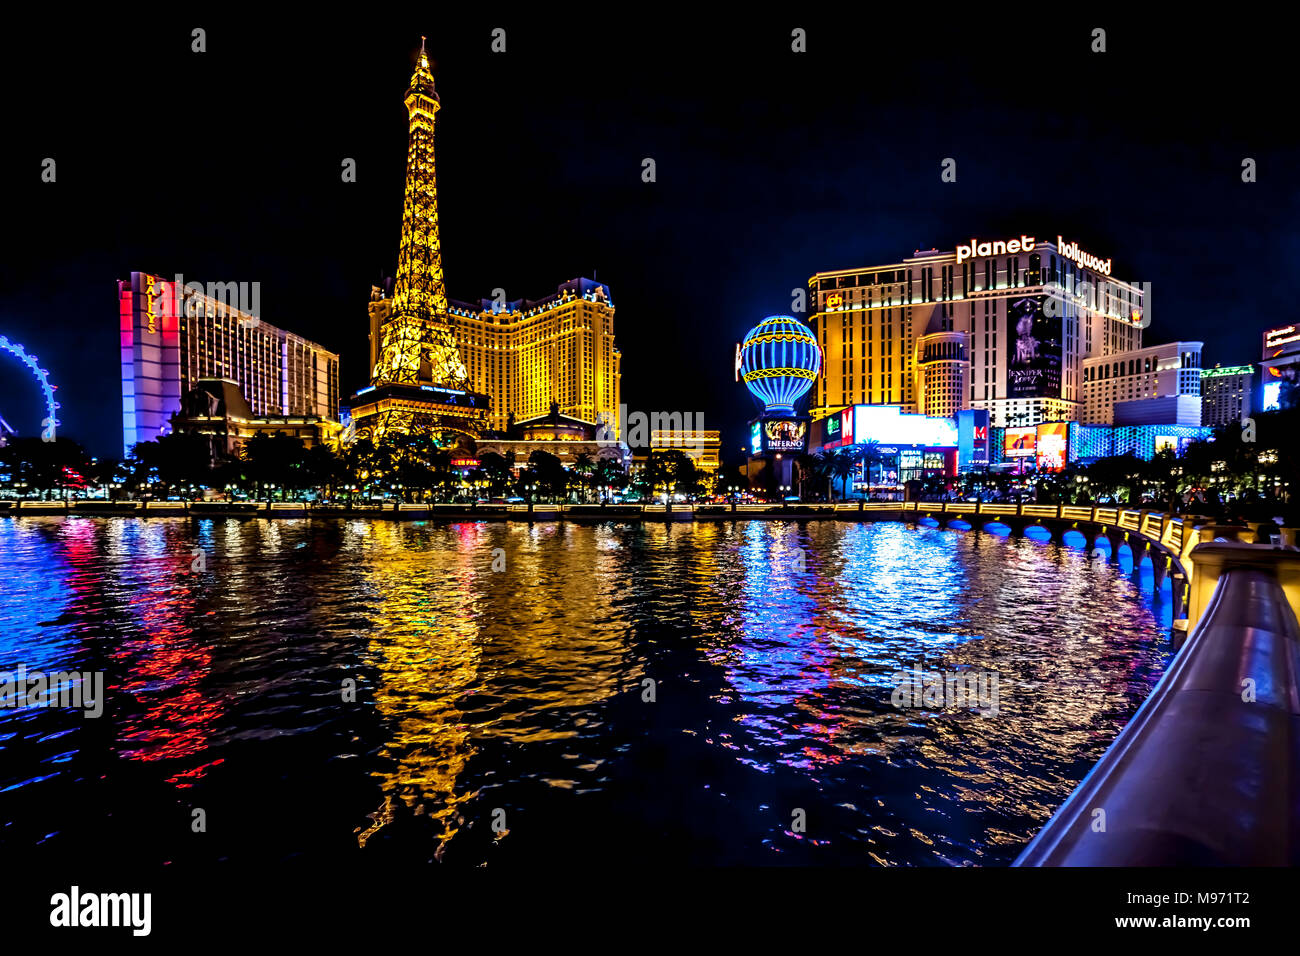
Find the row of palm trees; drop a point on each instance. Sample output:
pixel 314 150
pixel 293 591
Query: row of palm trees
pixel 840 464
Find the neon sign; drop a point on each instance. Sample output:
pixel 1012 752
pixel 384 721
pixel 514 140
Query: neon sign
pixel 1072 252
pixel 150 296
pixel 1000 248
pixel 1276 337
pixel 834 300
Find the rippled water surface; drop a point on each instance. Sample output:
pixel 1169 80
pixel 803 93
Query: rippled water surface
pixel 344 689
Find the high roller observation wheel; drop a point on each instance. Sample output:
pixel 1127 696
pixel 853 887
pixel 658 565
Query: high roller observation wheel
pixel 51 421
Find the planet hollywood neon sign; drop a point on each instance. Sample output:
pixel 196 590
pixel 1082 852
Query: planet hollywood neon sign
pixel 1085 260
pixel 1002 247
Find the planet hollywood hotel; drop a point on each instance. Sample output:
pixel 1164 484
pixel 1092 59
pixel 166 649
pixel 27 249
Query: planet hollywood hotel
pixel 1000 324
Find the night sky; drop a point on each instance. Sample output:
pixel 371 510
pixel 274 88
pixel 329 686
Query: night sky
pixel 771 165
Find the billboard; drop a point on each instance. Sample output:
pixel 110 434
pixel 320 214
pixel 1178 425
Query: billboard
pixel 837 429
pixel 785 435
pixel 1178 444
pixel 1052 446
pixel 1019 442
pixel 888 425
pixel 972 438
pixel 755 440
pixel 1034 369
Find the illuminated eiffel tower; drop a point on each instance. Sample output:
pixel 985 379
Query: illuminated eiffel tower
pixel 419 382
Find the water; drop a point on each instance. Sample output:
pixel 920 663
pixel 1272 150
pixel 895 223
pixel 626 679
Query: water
pixel 501 717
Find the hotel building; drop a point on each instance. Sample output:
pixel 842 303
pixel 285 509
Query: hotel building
pixel 1226 394
pixel 1279 367
pixel 1159 384
pixel 567 438
pixel 978 327
pixel 702 446
pixel 527 354
pixel 176 334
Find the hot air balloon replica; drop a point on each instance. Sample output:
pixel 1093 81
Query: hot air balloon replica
pixel 779 360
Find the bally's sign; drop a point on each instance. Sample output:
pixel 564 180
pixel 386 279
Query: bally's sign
pixel 1002 247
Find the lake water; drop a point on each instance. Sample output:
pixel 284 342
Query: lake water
pixel 517 695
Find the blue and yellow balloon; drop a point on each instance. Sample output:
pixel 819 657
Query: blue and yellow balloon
pixel 779 361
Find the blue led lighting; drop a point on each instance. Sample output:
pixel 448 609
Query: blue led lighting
pixel 779 361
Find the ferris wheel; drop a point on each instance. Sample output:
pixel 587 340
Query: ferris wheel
pixel 51 420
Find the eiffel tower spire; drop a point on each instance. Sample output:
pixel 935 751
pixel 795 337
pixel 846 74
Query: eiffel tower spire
pixel 416 343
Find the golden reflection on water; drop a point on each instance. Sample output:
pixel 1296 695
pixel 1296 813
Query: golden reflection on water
pixel 777 643
pixel 450 628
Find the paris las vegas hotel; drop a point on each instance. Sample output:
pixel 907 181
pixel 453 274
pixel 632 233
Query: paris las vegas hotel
pixel 194 360
pixel 940 332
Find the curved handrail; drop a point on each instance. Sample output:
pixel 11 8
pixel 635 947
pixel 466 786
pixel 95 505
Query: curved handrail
pixel 1201 775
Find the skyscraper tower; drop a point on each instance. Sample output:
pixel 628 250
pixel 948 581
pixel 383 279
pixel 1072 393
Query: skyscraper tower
pixel 419 382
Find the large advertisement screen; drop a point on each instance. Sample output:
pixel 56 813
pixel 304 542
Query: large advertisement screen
pixel 972 437
pixel 837 430
pixel 755 440
pixel 785 435
pixel 888 425
pixel 1034 369
pixel 1019 442
pixel 1052 446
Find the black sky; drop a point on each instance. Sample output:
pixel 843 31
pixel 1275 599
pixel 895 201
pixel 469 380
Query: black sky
pixel 771 165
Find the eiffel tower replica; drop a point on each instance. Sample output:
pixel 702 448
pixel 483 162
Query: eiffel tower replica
pixel 419 384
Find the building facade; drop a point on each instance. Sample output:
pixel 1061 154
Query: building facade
pixel 526 354
pixel 1029 312
pixel 1279 368
pixel 702 446
pixel 1167 375
pixel 568 439
pixel 942 372
pixel 1226 394
pixel 174 334
pixel 217 410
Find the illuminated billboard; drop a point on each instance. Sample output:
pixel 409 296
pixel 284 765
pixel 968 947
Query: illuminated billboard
pixel 1052 445
pixel 833 432
pixel 972 437
pixel 1176 444
pixel 888 425
pixel 837 429
pixel 1034 369
pixel 785 435
pixel 755 440
pixel 1019 442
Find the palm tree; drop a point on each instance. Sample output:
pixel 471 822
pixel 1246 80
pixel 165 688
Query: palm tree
pixel 583 466
pixel 610 474
pixel 824 469
pixel 844 464
pixel 869 454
